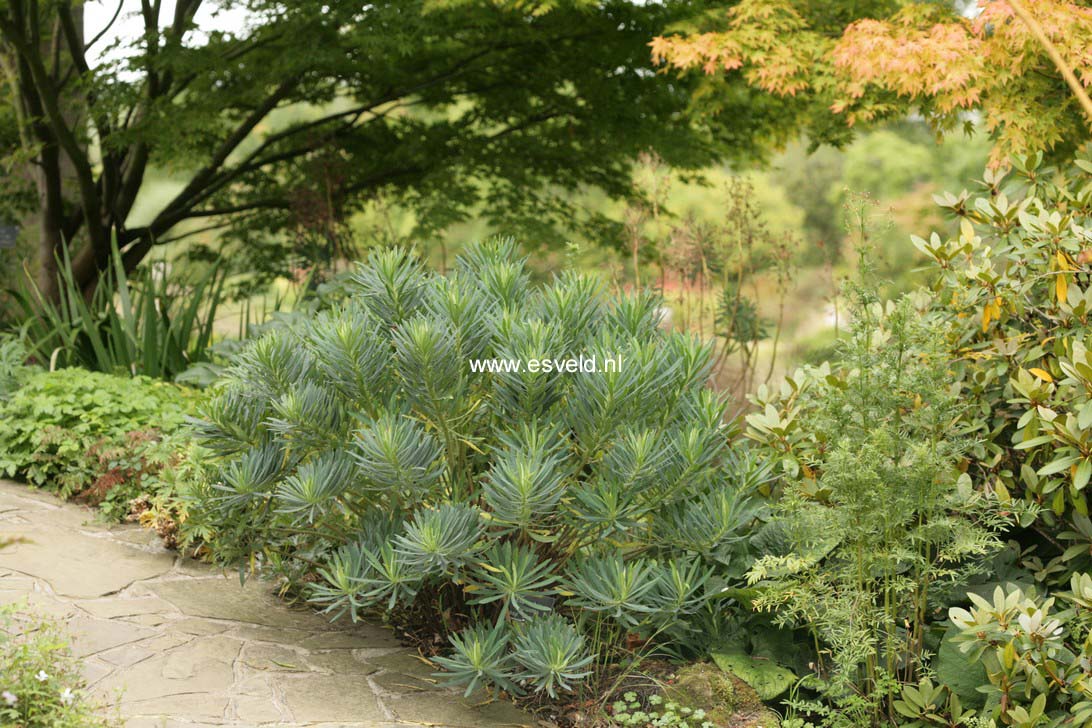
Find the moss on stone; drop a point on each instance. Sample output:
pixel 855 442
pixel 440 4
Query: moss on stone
pixel 726 700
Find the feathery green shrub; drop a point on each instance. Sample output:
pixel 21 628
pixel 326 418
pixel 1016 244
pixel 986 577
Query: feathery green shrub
pixel 876 526
pixel 544 520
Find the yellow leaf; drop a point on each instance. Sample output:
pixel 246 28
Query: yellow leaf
pixel 966 229
pixel 991 312
pixel 471 445
pixel 1061 287
pixel 1008 656
pixel 1042 374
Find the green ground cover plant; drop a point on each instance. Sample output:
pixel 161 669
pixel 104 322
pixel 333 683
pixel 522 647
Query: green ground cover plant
pixel 40 682
pixel 101 437
pixel 552 524
pixel 655 711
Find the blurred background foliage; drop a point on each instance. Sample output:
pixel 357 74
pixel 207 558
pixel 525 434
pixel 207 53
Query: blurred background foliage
pixel 810 200
pixel 743 205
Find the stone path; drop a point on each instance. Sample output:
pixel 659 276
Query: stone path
pixel 173 643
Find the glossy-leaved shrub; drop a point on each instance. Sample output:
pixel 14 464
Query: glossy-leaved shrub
pixel 544 520
pixel 1036 650
pixel 1016 284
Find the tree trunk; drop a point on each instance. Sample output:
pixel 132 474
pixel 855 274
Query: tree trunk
pixel 49 246
pixel 48 178
pixel 54 174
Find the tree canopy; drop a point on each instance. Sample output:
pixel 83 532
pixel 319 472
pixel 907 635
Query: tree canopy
pixel 316 107
pixel 884 60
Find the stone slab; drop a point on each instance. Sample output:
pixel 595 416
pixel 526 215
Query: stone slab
pixel 112 607
pixel 273 658
pixel 340 662
pixel 201 667
pixel 257 710
pixel 76 565
pixel 221 598
pixel 199 706
pixel 171 643
pixel 316 697
pixel 447 709
pixel 91 636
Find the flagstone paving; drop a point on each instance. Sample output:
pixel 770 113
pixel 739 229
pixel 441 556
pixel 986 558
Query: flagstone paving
pixel 171 642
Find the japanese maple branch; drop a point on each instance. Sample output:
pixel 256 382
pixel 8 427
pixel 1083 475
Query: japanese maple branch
pixel 1055 56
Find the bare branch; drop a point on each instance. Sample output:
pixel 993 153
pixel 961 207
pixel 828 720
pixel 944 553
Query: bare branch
pixel 219 225
pixel 208 172
pixel 102 33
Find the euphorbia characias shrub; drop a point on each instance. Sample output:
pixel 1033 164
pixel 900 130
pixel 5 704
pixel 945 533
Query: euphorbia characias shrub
pixel 542 519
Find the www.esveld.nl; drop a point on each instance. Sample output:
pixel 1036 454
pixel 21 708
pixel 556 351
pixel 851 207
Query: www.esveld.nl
pixel 578 365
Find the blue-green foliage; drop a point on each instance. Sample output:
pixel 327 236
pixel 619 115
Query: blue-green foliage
pixel 556 514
